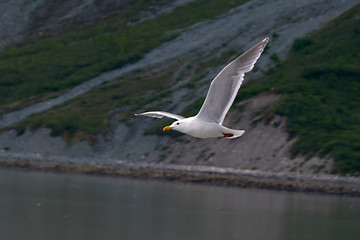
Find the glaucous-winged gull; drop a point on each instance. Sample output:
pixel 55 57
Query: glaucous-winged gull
pixel 223 89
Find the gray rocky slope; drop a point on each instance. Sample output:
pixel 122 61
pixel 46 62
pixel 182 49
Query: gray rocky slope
pixel 263 146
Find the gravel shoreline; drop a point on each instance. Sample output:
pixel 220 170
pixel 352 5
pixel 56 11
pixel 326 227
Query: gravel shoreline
pixel 349 186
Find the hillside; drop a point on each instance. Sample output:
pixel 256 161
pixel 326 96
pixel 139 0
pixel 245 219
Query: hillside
pixel 76 86
pixel 320 84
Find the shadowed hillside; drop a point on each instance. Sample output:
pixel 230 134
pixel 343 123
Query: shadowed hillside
pixel 300 110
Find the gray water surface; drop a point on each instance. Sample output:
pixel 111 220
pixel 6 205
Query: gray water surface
pixel 52 206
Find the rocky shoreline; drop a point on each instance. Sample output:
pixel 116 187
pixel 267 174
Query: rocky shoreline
pixel 349 186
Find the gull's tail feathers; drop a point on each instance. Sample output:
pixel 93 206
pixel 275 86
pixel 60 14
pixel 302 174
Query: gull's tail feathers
pixel 231 133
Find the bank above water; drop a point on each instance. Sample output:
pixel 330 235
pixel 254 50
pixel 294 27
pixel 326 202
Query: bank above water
pixel 200 174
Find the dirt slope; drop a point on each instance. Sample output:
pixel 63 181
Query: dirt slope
pixel 265 144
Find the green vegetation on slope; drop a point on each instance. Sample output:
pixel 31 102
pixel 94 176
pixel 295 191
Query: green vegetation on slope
pixel 88 114
pixel 36 70
pixel 320 82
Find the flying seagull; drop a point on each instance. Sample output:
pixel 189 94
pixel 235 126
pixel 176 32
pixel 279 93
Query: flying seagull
pixel 223 90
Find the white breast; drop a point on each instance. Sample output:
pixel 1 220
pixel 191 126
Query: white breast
pixel 201 129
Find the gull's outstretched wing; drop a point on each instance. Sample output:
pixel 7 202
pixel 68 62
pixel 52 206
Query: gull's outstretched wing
pixel 224 87
pixel 160 114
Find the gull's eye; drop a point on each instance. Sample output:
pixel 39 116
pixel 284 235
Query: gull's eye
pixel 177 123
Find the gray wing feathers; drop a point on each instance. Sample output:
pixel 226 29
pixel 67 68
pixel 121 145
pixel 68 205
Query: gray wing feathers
pixel 224 87
pixel 160 114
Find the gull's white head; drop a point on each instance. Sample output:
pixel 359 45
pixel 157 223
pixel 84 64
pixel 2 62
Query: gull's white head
pixel 179 125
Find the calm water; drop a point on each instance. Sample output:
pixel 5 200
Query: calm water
pixel 49 206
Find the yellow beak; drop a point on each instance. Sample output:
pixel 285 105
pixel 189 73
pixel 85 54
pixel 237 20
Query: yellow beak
pixel 167 128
